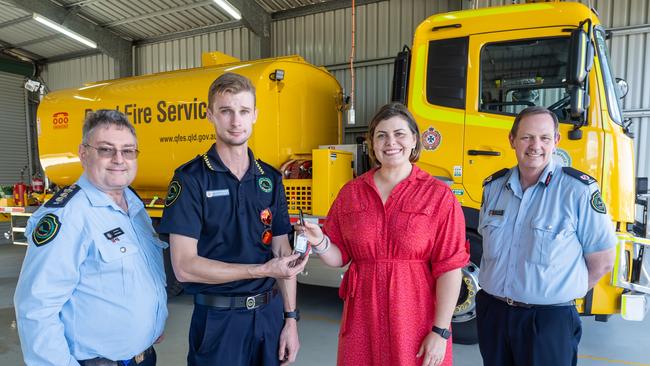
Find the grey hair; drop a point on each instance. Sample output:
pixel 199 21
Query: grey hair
pixel 104 118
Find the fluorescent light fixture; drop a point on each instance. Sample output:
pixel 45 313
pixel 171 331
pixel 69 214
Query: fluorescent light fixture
pixel 62 29
pixel 228 8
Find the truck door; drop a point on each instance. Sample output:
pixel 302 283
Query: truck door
pixel 510 71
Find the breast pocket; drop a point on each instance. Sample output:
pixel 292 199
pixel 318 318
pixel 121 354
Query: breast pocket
pixel 548 242
pixel 116 265
pixel 493 236
pixel 416 224
pixel 357 225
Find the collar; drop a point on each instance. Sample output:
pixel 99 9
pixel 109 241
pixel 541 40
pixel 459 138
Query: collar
pixel 213 161
pixel 544 179
pixel 416 174
pixel 99 198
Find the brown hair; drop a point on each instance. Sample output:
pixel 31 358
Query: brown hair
pixel 531 111
pixel 388 111
pixel 230 83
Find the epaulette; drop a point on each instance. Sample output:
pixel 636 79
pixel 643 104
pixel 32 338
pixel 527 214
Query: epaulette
pixel 198 157
pixel 207 162
pixel 62 197
pixel 495 176
pixel 264 168
pixel 582 177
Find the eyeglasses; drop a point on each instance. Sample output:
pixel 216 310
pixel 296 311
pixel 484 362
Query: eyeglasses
pixel 109 152
pixel 266 217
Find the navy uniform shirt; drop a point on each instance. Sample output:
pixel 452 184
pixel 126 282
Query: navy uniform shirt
pixel 208 203
pixel 534 241
pixel 92 283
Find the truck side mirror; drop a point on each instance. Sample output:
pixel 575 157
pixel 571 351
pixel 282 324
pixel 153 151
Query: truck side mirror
pixel 581 57
pixel 401 75
pixel 622 87
pixel 579 102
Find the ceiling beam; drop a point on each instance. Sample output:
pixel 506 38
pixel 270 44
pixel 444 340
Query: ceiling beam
pixel 158 13
pixel 233 24
pixel 114 46
pixel 258 20
pixel 69 56
pixel 319 8
pixel 15 21
pixel 38 40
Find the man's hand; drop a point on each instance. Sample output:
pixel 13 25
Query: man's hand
pixel 289 343
pixel 433 349
pixel 284 267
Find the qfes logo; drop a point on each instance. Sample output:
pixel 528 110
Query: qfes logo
pixel 60 120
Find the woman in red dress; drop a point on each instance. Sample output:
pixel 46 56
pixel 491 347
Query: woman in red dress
pixel 403 234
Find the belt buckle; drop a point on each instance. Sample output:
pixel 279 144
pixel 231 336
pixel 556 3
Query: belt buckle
pixel 509 301
pixel 250 302
pixel 139 358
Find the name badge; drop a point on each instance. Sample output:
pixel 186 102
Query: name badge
pixel 496 212
pixel 217 193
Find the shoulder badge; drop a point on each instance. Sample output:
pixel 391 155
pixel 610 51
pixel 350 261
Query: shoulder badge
pixel 582 177
pixel 597 203
pixel 173 192
pixel 62 197
pixel 495 176
pixel 46 229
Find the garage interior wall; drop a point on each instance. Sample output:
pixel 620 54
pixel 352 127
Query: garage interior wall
pixel 13 138
pixel 382 29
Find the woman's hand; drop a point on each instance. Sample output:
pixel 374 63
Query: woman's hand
pixel 312 231
pixel 433 349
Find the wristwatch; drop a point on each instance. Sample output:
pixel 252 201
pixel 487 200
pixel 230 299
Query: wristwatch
pixel 292 314
pixel 443 332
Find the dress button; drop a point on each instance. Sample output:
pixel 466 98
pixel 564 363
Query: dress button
pixel 549 227
pixel 122 249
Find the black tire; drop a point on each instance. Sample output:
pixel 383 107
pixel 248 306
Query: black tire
pixel 174 288
pixel 466 332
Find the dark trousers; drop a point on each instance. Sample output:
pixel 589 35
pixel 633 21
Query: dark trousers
pixel 516 336
pixel 237 337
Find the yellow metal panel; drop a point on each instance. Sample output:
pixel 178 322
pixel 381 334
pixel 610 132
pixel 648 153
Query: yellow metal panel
pixel 331 170
pixel 216 58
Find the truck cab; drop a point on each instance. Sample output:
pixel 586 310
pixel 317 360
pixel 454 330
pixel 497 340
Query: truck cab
pixel 466 77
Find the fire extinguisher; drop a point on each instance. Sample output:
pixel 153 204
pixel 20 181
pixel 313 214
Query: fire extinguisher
pixel 20 193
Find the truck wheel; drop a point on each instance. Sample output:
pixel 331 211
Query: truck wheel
pixel 174 288
pixel 464 319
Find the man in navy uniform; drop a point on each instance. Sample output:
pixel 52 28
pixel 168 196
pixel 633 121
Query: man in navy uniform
pixel 92 287
pixel 547 240
pixel 227 220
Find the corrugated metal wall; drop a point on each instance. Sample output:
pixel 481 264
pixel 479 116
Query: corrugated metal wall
pixel 186 52
pixel 74 73
pixel 382 28
pixel 13 138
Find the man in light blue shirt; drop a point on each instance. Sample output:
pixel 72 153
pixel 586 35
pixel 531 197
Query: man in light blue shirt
pixel 92 287
pixel 547 240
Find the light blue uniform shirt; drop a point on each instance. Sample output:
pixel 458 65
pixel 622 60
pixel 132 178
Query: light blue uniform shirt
pixel 82 295
pixel 534 242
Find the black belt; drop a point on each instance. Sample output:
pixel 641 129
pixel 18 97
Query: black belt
pixel 235 302
pixel 137 359
pixel 518 304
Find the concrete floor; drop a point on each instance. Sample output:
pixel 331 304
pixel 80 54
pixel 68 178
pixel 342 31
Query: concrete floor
pixel 616 342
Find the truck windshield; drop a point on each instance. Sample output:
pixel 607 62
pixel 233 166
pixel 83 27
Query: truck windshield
pixel 611 89
pixel 518 74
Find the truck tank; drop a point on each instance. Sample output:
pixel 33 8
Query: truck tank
pixel 299 109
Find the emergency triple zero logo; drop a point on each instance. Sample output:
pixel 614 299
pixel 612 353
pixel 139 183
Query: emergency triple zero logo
pixel 60 120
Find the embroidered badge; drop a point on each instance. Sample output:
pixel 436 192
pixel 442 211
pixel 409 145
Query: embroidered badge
pixel 113 234
pixel 597 202
pixel 265 184
pixel 173 193
pixel 562 156
pixel 46 229
pixel 431 139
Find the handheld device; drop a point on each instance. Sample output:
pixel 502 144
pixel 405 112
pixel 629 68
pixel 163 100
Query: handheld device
pixel 300 243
